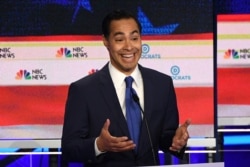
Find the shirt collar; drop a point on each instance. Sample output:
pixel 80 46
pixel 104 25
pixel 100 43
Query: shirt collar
pixel 118 77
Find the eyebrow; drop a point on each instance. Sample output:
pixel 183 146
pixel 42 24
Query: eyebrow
pixel 121 33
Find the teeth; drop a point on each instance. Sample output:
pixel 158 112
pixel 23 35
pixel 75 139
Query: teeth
pixel 128 55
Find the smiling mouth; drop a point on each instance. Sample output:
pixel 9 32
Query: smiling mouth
pixel 128 56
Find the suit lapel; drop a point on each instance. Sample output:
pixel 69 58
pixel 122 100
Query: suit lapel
pixel 108 92
pixel 148 94
pixel 110 97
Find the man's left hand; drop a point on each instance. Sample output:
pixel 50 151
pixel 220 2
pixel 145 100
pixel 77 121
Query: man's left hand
pixel 181 137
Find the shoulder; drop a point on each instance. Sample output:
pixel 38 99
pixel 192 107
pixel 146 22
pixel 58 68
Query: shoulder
pixel 153 74
pixel 93 79
pixel 87 80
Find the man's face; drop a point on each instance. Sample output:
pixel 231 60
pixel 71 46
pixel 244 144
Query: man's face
pixel 124 45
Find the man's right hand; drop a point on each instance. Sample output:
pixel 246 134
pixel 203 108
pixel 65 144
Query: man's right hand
pixel 105 142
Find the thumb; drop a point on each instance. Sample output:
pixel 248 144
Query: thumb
pixel 106 124
pixel 187 123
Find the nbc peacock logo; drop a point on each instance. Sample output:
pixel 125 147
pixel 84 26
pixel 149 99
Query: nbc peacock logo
pixel 23 74
pixel 92 71
pixel 231 53
pixel 75 52
pixel 63 52
pixel 34 74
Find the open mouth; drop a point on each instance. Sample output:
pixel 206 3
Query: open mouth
pixel 128 55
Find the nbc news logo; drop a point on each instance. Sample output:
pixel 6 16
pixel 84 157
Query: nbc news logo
pixel 35 74
pixel 234 54
pixel 5 53
pixel 92 71
pixel 77 52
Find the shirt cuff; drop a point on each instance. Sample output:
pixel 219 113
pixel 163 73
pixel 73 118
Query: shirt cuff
pixel 97 151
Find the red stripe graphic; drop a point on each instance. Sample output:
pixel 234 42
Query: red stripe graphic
pixel 233 17
pixel 68 38
pixel 32 104
pixel 196 103
pixel 233 86
pixel 45 105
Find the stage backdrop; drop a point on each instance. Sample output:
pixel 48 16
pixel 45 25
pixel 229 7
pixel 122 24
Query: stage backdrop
pixel 46 45
pixel 233 57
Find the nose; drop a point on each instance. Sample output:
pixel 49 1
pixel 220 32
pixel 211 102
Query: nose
pixel 128 45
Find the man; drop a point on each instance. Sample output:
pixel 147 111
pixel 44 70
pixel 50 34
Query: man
pixel 95 129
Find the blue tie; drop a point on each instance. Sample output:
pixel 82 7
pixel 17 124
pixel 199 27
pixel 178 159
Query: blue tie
pixel 133 112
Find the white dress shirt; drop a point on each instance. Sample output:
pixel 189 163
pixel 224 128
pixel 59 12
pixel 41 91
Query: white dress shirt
pixel 118 79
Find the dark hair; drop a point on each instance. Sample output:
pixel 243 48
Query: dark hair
pixel 117 15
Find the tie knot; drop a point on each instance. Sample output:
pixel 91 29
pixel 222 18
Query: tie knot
pixel 129 80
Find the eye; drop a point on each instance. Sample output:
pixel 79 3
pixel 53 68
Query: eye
pixel 135 38
pixel 118 40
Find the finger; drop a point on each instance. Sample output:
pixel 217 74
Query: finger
pixel 120 139
pixel 126 148
pixel 179 142
pixel 185 136
pixel 106 124
pixel 117 140
pixel 177 145
pixel 123 146
pixel 174 148
pixel 187 123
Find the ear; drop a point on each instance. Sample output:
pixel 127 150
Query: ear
pixel 105 42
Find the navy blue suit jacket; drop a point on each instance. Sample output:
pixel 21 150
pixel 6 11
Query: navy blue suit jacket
pixel 92 99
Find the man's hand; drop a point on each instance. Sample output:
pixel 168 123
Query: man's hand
pixel 106 142
pixel 181 137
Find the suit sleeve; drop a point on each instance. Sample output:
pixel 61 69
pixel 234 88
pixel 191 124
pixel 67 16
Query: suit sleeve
pixel 76 144
pixel 171 121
